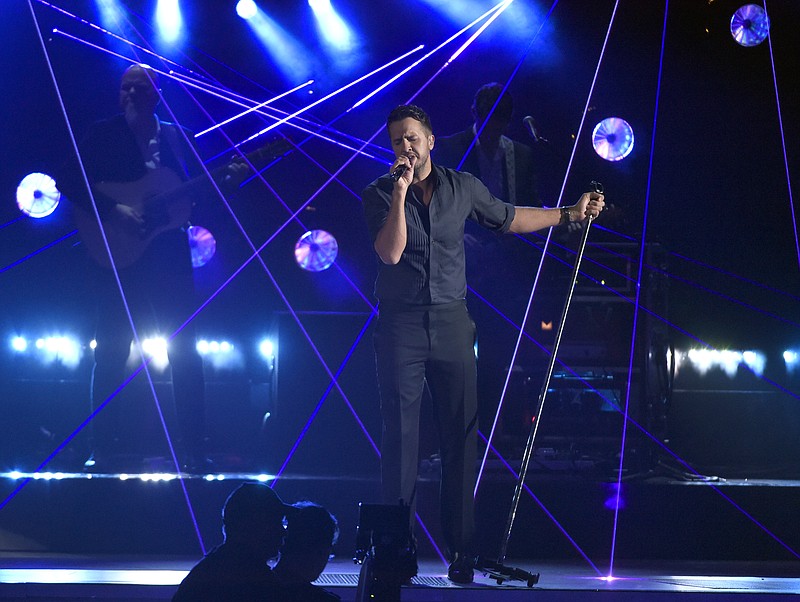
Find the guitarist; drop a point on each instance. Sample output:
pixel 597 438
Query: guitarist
pixel 158 286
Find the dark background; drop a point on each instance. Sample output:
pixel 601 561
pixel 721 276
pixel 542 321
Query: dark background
pixel 706 180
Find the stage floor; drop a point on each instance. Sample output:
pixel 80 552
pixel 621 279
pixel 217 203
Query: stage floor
pixel 126 537
pixel 114 578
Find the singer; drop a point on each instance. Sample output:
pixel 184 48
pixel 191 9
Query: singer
pixel 424 331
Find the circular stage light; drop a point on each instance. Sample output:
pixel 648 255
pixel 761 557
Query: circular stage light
pixel 246 9
pixel 612 139
pixel 750 25
pixel 316 250
pixel 37 195
pixel 202 245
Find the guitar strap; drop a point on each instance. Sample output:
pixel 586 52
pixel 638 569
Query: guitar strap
pixel 178 148
pixel 175 142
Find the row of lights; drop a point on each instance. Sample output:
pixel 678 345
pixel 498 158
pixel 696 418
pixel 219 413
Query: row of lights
pixel 68 351
pixel 729 361
pixel 145 477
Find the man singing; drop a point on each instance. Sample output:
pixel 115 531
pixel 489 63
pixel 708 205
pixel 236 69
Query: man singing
pixel 416 217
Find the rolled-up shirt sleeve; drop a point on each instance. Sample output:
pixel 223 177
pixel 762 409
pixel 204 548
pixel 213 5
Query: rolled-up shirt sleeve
pixel 489 211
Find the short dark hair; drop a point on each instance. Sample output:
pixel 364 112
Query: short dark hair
pixel 485 98
pixel 403 111
pixel 310 527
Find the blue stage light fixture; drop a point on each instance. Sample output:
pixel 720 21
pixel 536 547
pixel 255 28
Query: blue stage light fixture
pixel 37 195
pixel 791 358
pixel 267 349
pixel 169 20
pixel 19 344
pixel 246 9
pixel 61 349
pixel 316 250
pixel 156 349
pixel 334 31
pixel 202 245
pixel 750 25
pixel 612 139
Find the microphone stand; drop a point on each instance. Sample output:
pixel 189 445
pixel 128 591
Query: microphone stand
pixel 497 569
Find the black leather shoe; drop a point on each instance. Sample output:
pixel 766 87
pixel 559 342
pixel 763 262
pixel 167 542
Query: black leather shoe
pixel 462 569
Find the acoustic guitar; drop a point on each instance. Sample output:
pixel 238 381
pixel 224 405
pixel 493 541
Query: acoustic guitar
pixel 161 197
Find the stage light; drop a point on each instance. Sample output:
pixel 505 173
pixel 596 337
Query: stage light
pixel 267 349
pixel 791 358
pixel 37 195
pixel 220 354
pixel 316 250
pixel 19 344
pixel 156 349
pixel 246 9
pixel 157 477
pixel 612 139
pixel 755 361
pixel 169 20
pixel 202 245
pixel 703 360
pixel 336 34
pixel 61 349
pixel 750 25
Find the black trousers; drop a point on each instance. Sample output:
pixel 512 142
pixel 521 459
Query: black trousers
pixel 159 291
pixel 433 344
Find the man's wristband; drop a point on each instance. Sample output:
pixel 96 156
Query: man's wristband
pixel 566 218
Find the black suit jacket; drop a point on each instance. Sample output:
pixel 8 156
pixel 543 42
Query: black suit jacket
pixel 449 150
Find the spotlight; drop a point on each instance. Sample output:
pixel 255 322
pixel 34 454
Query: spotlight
pixel 333 29
pixel 169 20
pixel 37 195
pixel 612 139
pixel 316 250
pixel 703 360
pixel 19 344
pixel 267 349
pixel 202 245
pixel 62 349
pixel 156 349
pixel 755 361
pixel 791 358
pixel 246 9
pixel 749 25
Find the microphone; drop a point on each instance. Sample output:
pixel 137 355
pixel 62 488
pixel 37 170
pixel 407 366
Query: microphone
pixel 530 123
pixel 398 172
